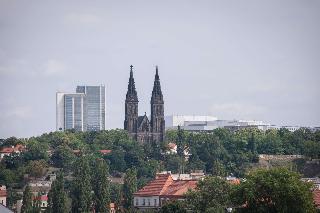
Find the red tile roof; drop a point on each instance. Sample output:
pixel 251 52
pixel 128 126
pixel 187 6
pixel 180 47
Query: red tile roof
pixel 7 150
pixel 164 186
pixel 3 193
pixel 180 187
pixel 157 186
pixel 105 151
pixel 316 198
pixel 42 198
pixel 172 145
pixel 17 148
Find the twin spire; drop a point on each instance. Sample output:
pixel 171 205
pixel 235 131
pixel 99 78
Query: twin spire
pixel 132 93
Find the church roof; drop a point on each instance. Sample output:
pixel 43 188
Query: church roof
pixel 156 92
pixel 132 92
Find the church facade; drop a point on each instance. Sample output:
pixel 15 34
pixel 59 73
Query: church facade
pixel 140 128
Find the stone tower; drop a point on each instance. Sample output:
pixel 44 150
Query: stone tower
pixel 131 108
pixel 157 111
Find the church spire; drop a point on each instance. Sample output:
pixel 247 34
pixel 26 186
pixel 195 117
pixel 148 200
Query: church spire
pixel 131 93
pixel 156 92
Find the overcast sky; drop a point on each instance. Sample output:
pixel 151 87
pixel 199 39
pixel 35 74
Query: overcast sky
pixel 245 59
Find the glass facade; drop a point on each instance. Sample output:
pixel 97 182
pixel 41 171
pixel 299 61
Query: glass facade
pixel 94 105
pixel 73 109
pixel 81 111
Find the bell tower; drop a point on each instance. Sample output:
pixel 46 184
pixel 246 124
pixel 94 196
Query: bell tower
pixel 131 108
pixel 157 110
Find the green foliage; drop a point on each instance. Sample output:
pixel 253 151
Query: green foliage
pixel 12 197
pixel 36 150
pixel 116 193
pixel 312 149
pixel 37 168
pixel 63 157
pixel 81 190
pixel 57 196
pixel 101 186
pixel 211 193
pixel 173 207
pixel 274 190
pixel 129 187
pixel 27 201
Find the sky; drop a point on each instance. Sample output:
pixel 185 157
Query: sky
pixel 248 59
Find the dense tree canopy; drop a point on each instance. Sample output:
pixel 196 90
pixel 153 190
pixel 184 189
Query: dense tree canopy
pixel 274 190
pixel 219 152
pixel 211 193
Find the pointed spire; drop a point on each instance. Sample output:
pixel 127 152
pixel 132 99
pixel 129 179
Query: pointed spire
pixel 131 93
pixel 157 75
pixel 156 92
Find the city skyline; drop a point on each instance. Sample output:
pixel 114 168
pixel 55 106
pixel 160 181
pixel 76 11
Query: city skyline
pixel 233 60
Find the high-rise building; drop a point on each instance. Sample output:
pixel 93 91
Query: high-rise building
pixel 94 106
pixel 81 111
pixel 70 111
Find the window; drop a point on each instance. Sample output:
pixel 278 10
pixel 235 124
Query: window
pixel 137 202
pixel 155 202
pixel 144 202
pixel 148 202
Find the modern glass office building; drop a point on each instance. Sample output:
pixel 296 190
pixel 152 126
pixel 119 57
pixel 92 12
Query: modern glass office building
pixel 94 106
pixel 83 110
pixel 70 111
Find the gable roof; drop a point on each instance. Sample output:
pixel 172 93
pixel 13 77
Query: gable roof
pixel 156 187
pixel 165 186
pixel 180 187
pixel 143 120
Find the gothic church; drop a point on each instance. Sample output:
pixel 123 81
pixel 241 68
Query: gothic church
pixel 139 127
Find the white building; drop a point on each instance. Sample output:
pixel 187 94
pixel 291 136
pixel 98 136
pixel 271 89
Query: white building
pixel 207 123
pixel 83 110
pixel 3 195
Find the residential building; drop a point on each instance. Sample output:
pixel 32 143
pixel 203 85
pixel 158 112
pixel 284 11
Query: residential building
pixel 6 151
pixel 163 189
pixel 315 181
pixel 81 111
pixel 43 201
pixel 3 195
pixel 316 198
pixel 141 128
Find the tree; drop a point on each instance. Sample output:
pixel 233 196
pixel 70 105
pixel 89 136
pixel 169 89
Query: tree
pixel 274 190
pixel 180 142
pixel 116 194
pixel 27 200
pixel 101 186
pixel 211 193
pixel 57 196
pixel 81 190
pixel 12 197
pixel 173 207
pixel 37 168
pixel 63 157
pixel 129 186
pixel 311 149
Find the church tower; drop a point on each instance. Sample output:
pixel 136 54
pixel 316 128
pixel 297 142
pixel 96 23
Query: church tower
pixel 157 111
pixel 131 108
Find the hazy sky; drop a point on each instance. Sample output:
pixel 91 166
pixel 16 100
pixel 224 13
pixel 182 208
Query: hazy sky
pixel 247 59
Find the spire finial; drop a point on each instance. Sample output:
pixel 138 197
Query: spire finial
pixel 131 68
pixel 157 74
